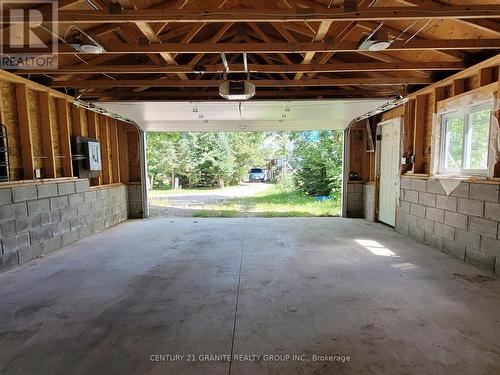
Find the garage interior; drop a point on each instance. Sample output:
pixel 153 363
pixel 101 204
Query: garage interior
pixel 406 282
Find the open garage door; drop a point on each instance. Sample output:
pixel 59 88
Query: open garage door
pixel 243 116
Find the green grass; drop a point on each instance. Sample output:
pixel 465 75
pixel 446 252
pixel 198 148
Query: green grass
pixel 272 203
pixel 216 213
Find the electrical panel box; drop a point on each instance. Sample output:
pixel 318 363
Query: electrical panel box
pixel 93 161
pixel 86 157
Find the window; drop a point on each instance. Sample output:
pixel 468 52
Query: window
pixel 465 137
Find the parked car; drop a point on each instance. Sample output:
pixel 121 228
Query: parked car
pixel 257 174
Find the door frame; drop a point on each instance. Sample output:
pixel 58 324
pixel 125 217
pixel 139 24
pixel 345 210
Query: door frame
pixel 144 173
pixel 378 147
pixel 346 149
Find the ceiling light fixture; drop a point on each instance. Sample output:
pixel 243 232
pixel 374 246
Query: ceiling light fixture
pixel 377 40
pixel 94 47
pixel 88 48
pixel 380 45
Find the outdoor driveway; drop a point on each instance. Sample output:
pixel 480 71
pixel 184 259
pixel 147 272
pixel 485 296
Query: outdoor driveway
pixel 179 204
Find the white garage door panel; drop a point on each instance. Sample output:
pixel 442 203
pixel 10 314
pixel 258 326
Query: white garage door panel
pixel 389 171
pixel 249 116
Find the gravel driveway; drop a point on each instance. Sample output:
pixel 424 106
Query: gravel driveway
pixel 184 205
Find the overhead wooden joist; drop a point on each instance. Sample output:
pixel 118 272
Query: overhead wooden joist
pixel 253 68
pixel 345 46
pixel 387 81
pixel 274 15
pixel 261 94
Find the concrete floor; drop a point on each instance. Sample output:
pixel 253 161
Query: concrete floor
pixel 249 286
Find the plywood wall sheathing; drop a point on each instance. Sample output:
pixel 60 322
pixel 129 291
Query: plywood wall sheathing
pixel 418 133
pixel 133 155
pixel 115 155
pixel 25 135
pixel 41 123
pixel 123 151
pixel 76 117
pixel 65 136
pixel 35 125
pixel 46 135
pixel 56 137
pixel 105 154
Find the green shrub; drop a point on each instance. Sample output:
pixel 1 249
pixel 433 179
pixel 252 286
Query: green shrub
pixel 319 164
pixel 284 181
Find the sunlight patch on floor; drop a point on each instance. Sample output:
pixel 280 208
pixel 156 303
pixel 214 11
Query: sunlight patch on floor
pixel 376 248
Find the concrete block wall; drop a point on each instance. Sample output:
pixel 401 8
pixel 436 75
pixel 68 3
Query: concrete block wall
pixel 369 202
pixel 464 224
pixel 361 200
pixel 135 201
pixel 39 218
pixel 354 200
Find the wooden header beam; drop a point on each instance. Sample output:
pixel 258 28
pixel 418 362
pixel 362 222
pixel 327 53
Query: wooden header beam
pixel 253 68
pixel 385 81
pixel 273 15
pixel 344 46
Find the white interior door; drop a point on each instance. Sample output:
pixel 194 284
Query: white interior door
pixel 389 171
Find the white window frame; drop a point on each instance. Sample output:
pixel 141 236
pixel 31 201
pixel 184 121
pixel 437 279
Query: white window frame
pixel 465 114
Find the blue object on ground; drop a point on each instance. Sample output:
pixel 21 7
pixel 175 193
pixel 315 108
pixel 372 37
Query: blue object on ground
pixel 322 198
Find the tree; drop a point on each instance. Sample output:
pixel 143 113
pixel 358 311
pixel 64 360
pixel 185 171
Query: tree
pixel 319 162
pixel 162 156
pixel 215 158
pixel 204 159
pixel 249 151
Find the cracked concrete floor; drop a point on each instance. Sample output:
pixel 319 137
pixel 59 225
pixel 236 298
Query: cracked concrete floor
pixel 298 286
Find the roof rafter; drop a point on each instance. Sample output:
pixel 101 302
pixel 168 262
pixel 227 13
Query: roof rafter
pixel 484 24
pixel 296 48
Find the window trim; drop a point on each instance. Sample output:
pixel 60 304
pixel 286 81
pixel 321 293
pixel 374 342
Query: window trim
pixel 465 114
